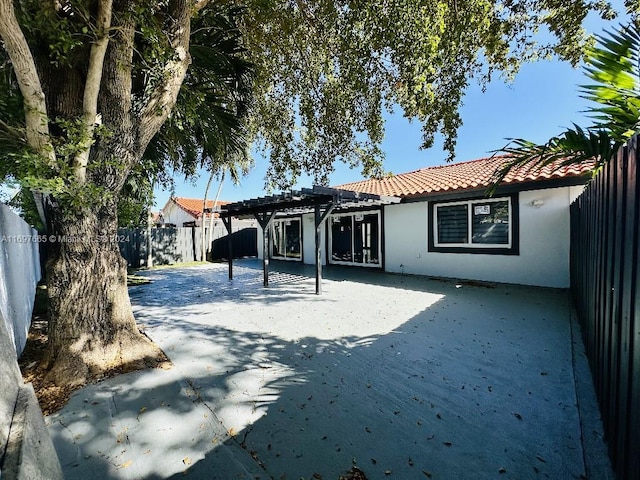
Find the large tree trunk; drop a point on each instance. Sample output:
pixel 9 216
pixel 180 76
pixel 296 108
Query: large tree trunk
pixel 92 330
pixel 90 119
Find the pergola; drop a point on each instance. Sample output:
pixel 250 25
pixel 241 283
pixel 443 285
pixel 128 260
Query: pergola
pixel 318 200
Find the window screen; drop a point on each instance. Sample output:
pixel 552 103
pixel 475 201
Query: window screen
pixel 453 224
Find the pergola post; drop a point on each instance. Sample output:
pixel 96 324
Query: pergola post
pixel 319 219
pixel 265 219
pixel 265 256
pixel 227 223
pixel 318 251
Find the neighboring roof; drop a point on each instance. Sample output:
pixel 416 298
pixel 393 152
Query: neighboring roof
pixel 474 174
pixel 193 206
pixel 304 200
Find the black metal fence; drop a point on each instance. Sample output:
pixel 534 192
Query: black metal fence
pixel 245 244
pixel 604 281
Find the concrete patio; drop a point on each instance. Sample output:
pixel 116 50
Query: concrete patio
pixel 405 377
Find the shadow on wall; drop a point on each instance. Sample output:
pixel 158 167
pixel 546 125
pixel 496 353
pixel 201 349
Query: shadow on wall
pixel 19 274
pixel 403 376
pixel 25 446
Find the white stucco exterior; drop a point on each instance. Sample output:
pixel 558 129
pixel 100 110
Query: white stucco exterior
pixel 174 215
pixel 543 258
pixel 308 240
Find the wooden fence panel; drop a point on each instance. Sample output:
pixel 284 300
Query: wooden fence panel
pixel 605 273
pixel 176 245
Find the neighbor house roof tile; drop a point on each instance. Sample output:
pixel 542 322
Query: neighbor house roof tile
pixel 193 206
pixel 473 174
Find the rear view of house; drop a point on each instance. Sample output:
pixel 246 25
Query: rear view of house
pixel 443 224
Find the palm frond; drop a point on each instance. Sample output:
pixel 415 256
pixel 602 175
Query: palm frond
pixel 613 66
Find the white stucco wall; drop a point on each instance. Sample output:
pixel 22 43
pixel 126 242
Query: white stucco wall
pixel 173 214
pixel 19 275
pixel 308 240
pixel 544 244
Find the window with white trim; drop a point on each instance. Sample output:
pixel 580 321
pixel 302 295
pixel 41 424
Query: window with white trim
pixel 470 225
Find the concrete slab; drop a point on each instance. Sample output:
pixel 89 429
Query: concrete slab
pixel 405 377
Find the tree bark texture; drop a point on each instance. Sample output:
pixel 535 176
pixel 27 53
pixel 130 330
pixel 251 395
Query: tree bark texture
pixel 91 326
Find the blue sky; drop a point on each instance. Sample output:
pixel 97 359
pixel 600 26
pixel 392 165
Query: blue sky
pixel 537 105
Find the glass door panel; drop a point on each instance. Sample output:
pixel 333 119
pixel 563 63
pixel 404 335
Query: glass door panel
pixel 341 237
pixel 355 239
pixel 286 240
pixel 292 234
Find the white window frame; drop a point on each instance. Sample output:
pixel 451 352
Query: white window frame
pixel 470 204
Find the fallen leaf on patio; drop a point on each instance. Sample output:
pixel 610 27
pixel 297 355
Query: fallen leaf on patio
pixel 518 416
pixel 448 444
pixel 427 473
pixel 143 409
pixel 502 470
pixel 317 475
pixel 541 459
pixel 374 461
pixel 186 461
pixel 431 437
pixel 232 432
pixel 366 429
pixel 410 462
pixel 126 464
pixel 438 416
pixel 544 373
pixel 146 452
pixel 387 472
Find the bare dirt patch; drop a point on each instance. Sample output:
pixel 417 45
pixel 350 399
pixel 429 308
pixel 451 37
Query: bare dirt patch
pixel 50 396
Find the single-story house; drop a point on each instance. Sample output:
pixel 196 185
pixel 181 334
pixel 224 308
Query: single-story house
pixel 441 224
pixel 187 212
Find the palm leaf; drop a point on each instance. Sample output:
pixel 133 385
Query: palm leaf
pixel 613 67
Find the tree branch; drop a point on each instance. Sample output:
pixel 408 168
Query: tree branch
pixel 35 108
pixel 162 99
pixel 200 4
pixel 92 87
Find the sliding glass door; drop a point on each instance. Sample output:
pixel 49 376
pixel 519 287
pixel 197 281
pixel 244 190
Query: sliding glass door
pixel 355 239
pixel 286 241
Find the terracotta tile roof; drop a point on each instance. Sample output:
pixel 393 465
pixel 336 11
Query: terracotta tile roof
pixel 193 206
pixel 473 174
